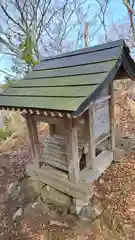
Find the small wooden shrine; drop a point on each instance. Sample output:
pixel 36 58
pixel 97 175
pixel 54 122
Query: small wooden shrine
pixel 73 93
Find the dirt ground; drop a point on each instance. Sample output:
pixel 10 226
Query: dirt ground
pixel 116 189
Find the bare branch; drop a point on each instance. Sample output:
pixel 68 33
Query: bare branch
pixel 103 8
pixel 21 13
pixel 129 7
pixel 10 47
pixel 9 16
pixel 131 13
pixel 6 73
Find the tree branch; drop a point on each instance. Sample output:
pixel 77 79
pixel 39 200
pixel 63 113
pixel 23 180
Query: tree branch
pixel 8 15
pixel 129 7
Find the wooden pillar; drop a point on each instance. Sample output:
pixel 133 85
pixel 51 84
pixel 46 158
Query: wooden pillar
pixel 29 127
pixel 72 151
pixel 89 135
pixel 36 140
pixel 35 145
pixel 91 143
pixel 111 117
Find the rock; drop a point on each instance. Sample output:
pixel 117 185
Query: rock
pixel 87 213
pixel 79 204
pixel 33 184
pixel 72 208
pixel 17 214
pixel 101 180
pixel 97 206
pixel 36 209
pixel 108 235
pixel 59 224
pixel 132 210
pixel 127 230
pixel 118 154
pixel 13 189
pixel 56 198
pixel 96 226
pixel 92 210
pixel 28 190
pixel 123 142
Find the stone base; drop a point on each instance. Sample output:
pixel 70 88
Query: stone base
pixel 58 200
pixel 118 154
pixel 126 143
pixel 62 203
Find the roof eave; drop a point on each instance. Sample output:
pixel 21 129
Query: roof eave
pixel 111 76
pixel 128 64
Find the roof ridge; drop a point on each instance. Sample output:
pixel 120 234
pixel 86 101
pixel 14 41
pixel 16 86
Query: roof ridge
pixel 95 48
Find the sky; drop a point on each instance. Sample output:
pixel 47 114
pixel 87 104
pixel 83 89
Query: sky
pixel 116 12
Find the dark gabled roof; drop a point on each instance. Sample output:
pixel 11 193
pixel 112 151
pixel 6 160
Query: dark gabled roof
pixel 68 82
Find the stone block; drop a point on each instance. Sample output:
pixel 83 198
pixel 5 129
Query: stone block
pixel 87 213
pixel 56 198
pixel 118 154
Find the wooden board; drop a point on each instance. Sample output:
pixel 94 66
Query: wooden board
pixel 101 122
pixel 55 103
pixel 54 153
pixel 60 181
pixel 54 162
pixel 102 138
pixel 100 164
pixel 70 91
pixel 74 60
pixel 75 70
pixel 63 81
pixel 96 48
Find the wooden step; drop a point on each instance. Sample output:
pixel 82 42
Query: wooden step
pixel 100 164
